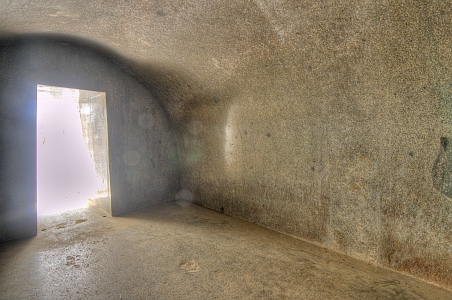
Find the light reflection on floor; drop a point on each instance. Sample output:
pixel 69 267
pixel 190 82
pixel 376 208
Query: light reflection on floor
pixel 176 251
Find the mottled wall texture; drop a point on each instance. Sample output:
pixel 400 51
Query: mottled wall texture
pixel 339 132
pixel 327 120
pixel 143 156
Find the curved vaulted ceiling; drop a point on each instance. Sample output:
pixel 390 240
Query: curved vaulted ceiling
pixel 189 50
pixel 206 45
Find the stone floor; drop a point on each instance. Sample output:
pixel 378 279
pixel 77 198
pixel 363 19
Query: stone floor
pixel 185 252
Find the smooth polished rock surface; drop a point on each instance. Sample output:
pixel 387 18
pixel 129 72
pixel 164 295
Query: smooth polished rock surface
pixel 184 251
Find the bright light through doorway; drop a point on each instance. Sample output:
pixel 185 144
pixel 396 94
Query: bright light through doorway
pixel 72 151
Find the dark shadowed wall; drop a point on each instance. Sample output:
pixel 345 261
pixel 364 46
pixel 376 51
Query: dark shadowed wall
pixel 143 156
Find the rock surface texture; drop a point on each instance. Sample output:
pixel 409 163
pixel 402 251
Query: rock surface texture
pixel 330 121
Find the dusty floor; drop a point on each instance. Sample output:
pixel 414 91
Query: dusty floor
pixel 176 252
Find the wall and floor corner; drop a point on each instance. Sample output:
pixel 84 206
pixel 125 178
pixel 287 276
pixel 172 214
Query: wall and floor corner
pixel 328 121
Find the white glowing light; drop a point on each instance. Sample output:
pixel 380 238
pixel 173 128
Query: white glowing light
pixel 229 139
pixel 66 170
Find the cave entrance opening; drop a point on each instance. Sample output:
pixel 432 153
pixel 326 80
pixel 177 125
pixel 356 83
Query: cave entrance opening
pixel 72 150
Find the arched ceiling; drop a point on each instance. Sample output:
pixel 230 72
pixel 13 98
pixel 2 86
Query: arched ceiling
pixel 190 47
pixel 191 51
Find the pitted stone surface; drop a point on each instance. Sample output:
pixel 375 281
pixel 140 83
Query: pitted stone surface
pixel 319 119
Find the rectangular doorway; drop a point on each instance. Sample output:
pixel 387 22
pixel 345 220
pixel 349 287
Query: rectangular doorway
pixel 72 150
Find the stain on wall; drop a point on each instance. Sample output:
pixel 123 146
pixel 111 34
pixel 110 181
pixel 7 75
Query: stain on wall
pixel 441 172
